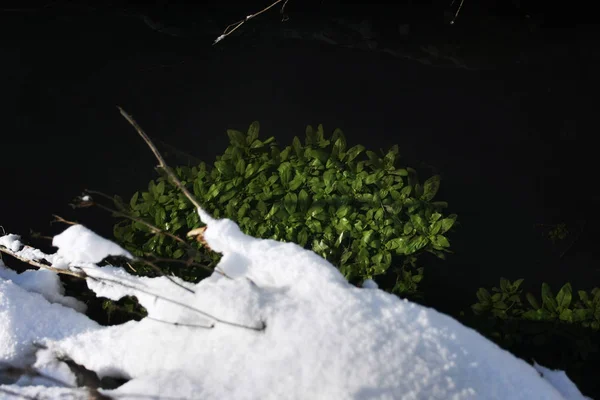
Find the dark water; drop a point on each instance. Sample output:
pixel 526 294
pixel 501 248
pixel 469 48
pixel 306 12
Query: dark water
pixel 507 140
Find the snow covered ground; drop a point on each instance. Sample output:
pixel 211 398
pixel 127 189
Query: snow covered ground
pixel 282 324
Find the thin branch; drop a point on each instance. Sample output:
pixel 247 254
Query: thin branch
pixel 236 25
pixel 39 264
pixel 162 164
pixel 180 324
pixel 457 11
pixel 154 229
pixel 58 218
pixel 159 271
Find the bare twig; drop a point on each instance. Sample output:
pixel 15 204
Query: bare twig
pixel 162 164
pixel 154 229
pixel 457 11
pixel 233 27
pixel 159 271
pixel 38 264
pixel 58 218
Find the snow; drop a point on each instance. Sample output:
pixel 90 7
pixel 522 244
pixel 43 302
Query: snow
pixel 279 322
pixel 79 244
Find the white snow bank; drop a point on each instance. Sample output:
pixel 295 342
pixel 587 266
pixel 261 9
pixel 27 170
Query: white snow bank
pixel 43 282
pixel 322 339
pixel 80 245
pixel 27 318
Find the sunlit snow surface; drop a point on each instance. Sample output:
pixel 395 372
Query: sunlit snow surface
pixel 324 338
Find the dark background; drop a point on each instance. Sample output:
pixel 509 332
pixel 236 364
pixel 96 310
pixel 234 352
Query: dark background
pixel 500 103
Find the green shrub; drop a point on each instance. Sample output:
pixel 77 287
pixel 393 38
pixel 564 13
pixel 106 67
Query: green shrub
pixel 363 214
pixel 558 332
pixel 506 303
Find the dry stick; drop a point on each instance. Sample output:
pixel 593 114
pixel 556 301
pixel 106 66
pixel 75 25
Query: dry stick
pixel 162 163
pixel 236 25
pixel 41 265
pixel 153 228
pixel 457 11
pixel 188 263
pixel 58 218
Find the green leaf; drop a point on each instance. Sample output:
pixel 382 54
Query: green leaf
pixel 253 130
pixel 240 166
pixel 242 210
pixel 430 188
pixel 416 243
pixel 134 199
pixel 177 254
pixel 412 177
pixel 303 200
pixel 329 177
pixel 441 241
pixel 399 172
pixel 564 296
pixel 311 136
pixel 417 222
pixel 548 300
pixel 483 295
pixel 434 228
pixel 291 202
pixel 236 138
pixel 516 284
pixel 566 315
pixel 315 211
pixel 374 159
pixel 302 237
pixel 504 284
pixel 285 172
pixel 297 146
pixel 225 168
pixel 397 244
pixel 338 148
pixel 448 222
pixel 354 151
pixel 297 181
pixel 343 211
pixel 227 196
